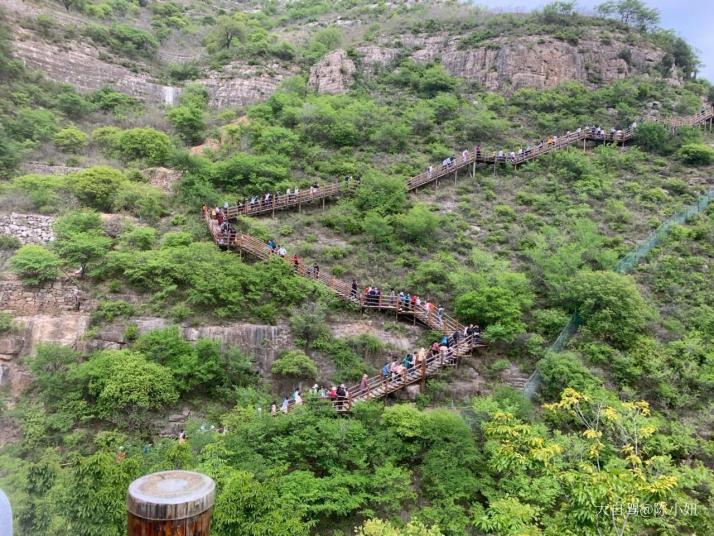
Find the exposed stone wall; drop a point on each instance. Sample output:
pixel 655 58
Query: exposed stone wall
pixel 54 298
pixel 333 73
pixel 262 343
pixel 45 169
pixel 508 63
pixel 27 228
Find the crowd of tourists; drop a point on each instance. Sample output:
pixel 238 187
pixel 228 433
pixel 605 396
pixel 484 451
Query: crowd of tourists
pixel 529 149
pixel 269 200
pixel 394 374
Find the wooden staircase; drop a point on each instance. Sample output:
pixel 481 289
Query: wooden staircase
pixel 459 345
pixel 378 386
pixel 332 190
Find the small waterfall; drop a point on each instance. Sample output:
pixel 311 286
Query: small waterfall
pixel 170 94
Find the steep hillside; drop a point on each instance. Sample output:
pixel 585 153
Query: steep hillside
pixel 124 321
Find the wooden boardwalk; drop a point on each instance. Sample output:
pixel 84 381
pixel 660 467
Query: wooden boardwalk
pixel 378 387
pixel 465 161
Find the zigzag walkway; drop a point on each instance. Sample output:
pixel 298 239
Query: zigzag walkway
pixel 377 386
pixel 467 159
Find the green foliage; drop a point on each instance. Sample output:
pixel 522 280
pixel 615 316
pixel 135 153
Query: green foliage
pixel 107 311
pixel 696 154
pixel 70 140
pixel 632 12
pixel 123 40
pixel 6 323
pixel 652 137
pixel 9 243
pixel 122 382
pixel 35 264
pixel 610 305
pixel 82 249
pixel 138 238
pixel 97 186
pixel 252 508
pixel 144 144
pixel 188 117
pixel 296 364
pixel 167 348
pixel 418 225
pixel 561 370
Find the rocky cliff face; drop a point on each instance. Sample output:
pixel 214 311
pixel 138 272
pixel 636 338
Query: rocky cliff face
pixel 89 67
pixel 333 73
pixel 507 64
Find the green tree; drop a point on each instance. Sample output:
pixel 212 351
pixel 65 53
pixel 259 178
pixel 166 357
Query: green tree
pixel 144 144
pixel 70 140
pixel 78 221
pixel 377 527
pixel 93 495
pixel 82 249
pixel 296 364
pixel 248 507
pixel 51 368
pixel 123 382
pixel 610 305
pixel 652 137
pixel 418 225
pixel 631 12
pixel 35 264
pixel 97 186
pixel 494 307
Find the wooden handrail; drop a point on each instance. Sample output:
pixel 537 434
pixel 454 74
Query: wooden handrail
pixel 377 386
pixel 277 201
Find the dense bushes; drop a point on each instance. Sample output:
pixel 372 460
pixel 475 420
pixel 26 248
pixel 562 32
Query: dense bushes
pixel 696 154
pixel 100 187
pixel 611 306
pixel 35 264
pixel 295 364
pixel 146 144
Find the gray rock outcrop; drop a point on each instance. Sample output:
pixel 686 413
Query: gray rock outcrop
pixel 27 228
pixel 333 73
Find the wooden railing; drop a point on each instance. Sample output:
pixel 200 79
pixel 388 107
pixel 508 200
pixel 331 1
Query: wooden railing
pixel 379 386
pixel 459 344
pixel 276 201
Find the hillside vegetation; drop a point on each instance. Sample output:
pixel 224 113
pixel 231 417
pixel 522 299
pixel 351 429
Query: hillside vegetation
pixel 618 438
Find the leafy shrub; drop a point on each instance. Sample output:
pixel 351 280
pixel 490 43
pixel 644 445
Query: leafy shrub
pixel 123 39
pixel 296 364
pixel 696 154
pixel 142 200
pixel 77 221
pixel 652 137
pixel 70 140
pixel 107 311
pixel 97 186
pixel 82 249
pixel 144 144
pixel 6 322
pixel 122 382
pixel 35 264
pixel 561 370
pixel 9 242
pixel 138 238
pixel 610 305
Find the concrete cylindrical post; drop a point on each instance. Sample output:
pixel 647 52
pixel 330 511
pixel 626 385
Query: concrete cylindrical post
pixel 171 503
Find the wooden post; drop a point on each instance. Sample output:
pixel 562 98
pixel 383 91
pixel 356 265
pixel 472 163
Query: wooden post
pixel 422 383
pixel 170 503
pixel 273 206
pixel 456 172
pixel 323 203
pixel 473 172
